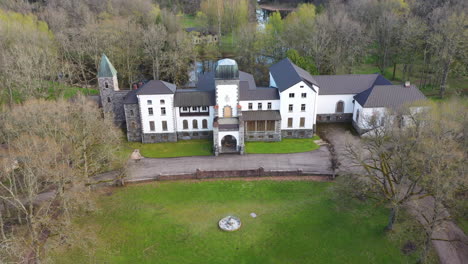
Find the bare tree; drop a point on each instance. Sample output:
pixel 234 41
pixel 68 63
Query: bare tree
pixel 154 41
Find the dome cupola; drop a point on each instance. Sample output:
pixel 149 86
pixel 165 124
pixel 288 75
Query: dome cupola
pixel 226 69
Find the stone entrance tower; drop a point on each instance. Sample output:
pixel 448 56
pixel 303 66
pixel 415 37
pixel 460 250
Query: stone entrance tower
pixel 228 128
pixel 111 96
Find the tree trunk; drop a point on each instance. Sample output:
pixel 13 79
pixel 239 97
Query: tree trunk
pixel 443 82
pixel 392 219
pixel 394 70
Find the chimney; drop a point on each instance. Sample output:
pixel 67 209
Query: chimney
pixel 140 84
pixel 407 84
pixel 134 86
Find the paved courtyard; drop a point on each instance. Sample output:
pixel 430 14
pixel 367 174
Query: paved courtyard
pixel 316 162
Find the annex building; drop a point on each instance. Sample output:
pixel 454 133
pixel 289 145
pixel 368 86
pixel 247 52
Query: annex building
pixel 227 106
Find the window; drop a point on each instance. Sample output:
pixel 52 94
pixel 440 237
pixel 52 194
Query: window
pixel 302 122
pixel 270 125
pixel 185 124
pixel 184 109
pixel 339 107
pixel 194 108
pixel 165 137
pixel 153 137
pixel 204 123
pixel 108 99
pixel 289 133
pixel 290 122
pixel 133 125
pixel 251 137
pixel 151 123
pixel 269 106
pixel 303 107
pixel 291 95
pixel 270 136
pixel 131 112
pixel 150 111
pixel 195 124
pixel 195 134
pixel 290 108
pixel 205 133
pixel 149 102
pixel 250 106
pixel 106 84
pixel 162 102
pixel 204 108
pixel 185 134
pixel 328 118
pixel 304 95
pixel 260 125
pixel 163 110
pixel 302 86
pixel 250 125
pixel 164 125
pixel 259 106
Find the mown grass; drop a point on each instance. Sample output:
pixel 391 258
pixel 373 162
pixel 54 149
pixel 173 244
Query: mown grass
pixel 183 148
pixel 286 145
pixel 176 222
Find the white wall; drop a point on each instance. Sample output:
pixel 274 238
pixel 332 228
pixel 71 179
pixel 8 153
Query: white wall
pixel 310 101
pixel 157 117
pixel 179 121
pixel 365 114
pixel 227 95
pixel 275 105
pixel 327 103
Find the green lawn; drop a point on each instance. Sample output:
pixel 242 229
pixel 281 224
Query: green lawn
pixel 287 145
pixel 176 222
pixel 183 148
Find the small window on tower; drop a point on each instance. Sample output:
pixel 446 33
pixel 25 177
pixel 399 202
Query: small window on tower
pixel 108 99
pixel 131 112
pixel 106 84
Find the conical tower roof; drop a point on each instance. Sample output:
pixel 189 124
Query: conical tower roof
pixel 106 69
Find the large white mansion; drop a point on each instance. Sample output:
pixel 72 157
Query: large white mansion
pixel 227 106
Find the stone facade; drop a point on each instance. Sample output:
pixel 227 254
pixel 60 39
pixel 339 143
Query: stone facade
pixel 297 133
pixel 106 88
pixel 334 118
pixel 265 135
pixel 158 137
pixel 118 109
pixel 194 135
pixel 132 114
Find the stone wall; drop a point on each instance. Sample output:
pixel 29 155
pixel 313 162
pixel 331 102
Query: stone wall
pixel 263 136
pixel 158 137
pixel 334 118
pixel 119 113
pixel 297 133
pixel 132 114
pixel 194 135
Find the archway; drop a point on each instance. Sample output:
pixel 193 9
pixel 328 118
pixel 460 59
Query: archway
pixel 229 143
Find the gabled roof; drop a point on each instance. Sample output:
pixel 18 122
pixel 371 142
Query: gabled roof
pixel 193 98
pixel 259 93
pixel 131 97
pixel 391 96
pixel 286 74
pixel 156 87
pixel 348 84
pixel 106 69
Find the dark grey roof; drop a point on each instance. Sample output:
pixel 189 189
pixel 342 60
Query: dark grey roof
pixel 389 96
pixel 261 115
pixel 348 84
pixel 260 93
pixel 157 87
pixel 206 81
pixel 286 74
pixel 194 98
pixel 131 97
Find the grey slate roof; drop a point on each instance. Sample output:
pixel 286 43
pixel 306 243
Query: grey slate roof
pixel 391 96
pixel 106 69
pixel 286 74
pixel 348 84
pixel 156 87
pixel 261 115
pixel 131 97
pixel 194 98
pixel 260 93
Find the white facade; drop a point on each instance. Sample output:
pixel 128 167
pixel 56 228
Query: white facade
pixel 227 95
pixel 365 114
pixel 299 101
pixel 275 105
pixel 327 103
pixel 199 119
pixel 222 134
pixel 162 111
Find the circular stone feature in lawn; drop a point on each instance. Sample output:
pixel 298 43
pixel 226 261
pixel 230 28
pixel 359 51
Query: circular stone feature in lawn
pixel 229 223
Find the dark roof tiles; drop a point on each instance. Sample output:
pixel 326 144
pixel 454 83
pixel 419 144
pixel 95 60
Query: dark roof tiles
pixel 156 87
pixel 286 74
pixel 392 96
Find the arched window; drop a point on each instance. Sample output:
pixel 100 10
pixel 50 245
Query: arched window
pixel 195 124
pixel 205 123
pixel 185 124
pixel 357 116
pixel 106 84
pixel 339 107
pixel 133 125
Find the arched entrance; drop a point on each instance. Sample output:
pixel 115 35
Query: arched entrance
pixel 229 144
